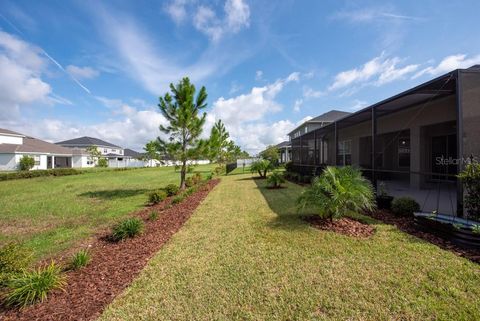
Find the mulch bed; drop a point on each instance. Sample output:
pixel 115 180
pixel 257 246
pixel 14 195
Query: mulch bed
pixel 407 225
pixel 113 266
pixel 345 226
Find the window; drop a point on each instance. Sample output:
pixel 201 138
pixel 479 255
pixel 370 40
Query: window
pixel 36 158
pixel 344 156
pixel 114 150
pixel 306 129
pixel 404 152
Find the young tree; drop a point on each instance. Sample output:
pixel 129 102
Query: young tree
pixel 218 143
pixel 272 154
pixel 94 153
pixel 182 110
pixel 152 151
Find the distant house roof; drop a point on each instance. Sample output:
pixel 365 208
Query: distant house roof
pixel 9 132
pixel 330 116
pixel 131 153
pixel 327 117
pixel 283 144
pixel 86 141
pixel 33 145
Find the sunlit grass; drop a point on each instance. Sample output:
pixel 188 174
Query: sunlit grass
pixel 51 214
pixel 246 255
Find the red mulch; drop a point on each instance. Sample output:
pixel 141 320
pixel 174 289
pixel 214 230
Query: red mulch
pixel 407 225
pixel 345 226
pixel 113 266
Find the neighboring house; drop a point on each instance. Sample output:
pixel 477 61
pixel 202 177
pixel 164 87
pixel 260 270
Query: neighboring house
pixel 317 122
pixel 414 143
pixel 285 151
pixel 13 146
pixel 82 158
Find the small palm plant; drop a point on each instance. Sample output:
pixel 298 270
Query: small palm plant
pixel 337 191
pixel 276 180
pixel 262 167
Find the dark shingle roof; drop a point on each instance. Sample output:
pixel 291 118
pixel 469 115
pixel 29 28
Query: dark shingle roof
pixel 330 116
pixel 283 144
pixel 132 153
pixel 33 145
pixel 86 141
pixel 9 132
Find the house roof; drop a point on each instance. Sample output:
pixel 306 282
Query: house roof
pixel 131 153
pixel 328 117
pixel 33 145
pixel 86 141
pixel 283 144
pixel 9 132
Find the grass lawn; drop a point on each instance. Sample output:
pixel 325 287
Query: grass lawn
pixel 246 255
pixel 51 214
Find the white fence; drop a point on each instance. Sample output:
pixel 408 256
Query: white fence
pixel 128 162
pixel 244 162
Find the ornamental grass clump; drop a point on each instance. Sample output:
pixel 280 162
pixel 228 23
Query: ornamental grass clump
pixel 338 191
pixel 33 286
pixel 128 228
pixel 80 260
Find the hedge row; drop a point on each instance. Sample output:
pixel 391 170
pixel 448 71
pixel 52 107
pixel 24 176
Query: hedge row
pixel 56 172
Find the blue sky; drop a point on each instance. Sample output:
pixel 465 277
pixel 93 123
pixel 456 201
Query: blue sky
pixel 74 68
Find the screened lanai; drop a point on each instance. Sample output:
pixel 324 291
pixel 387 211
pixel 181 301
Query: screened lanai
pixel 409 144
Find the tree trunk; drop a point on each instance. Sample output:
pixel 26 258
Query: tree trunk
pixel 183 174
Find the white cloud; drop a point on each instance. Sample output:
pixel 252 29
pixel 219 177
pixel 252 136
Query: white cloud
pixel 297 105
pixel 381 68
pixel 450 63
pixel 129 126
pixel 237 17
pixel 21 67
pixel 244 115
pixel 304 119
pixel 177 11
pixel 82 72
pixel 367 15
pixel 358 104
pixel 142 58
pixel 310 93
pixel 258 75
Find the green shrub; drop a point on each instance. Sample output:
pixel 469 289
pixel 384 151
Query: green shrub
pixel 14 257
pixel 405 206
pixel 219 170
pixel 29 287
pixel 276 179
pixel 190 168
pixel 153 216
pixel 189 182
pixel 79 259
pixel 197 178
pixel 156 197
pixel 209 176
pixel 102 162
pixel 130 227
pixel 26 163
pixel 289 167
pixel 470 177
pixel 178 199
pixel 171 189
pixel 338 191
